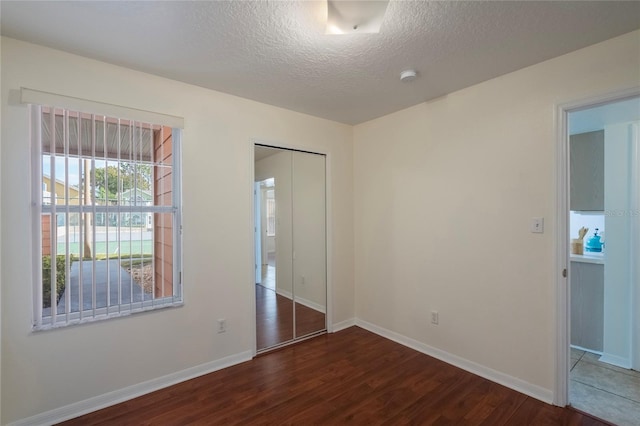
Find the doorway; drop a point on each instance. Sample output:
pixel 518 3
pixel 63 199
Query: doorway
pixel 265 235
pixel 290 245
pixel 599 225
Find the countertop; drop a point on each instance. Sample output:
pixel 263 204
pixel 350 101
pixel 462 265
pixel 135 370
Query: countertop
pixel 587 257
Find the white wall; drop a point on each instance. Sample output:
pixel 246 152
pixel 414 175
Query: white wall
pixel 309 266
pixel 619 140
pixel 46 370
pixel 444 193
pixel 271 244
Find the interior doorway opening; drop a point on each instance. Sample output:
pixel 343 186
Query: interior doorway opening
pixel 265 242
pixel 602 231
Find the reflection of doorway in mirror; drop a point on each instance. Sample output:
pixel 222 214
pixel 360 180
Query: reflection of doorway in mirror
pixel 290 211
pixel 268 227
pixel 309 242
pixel 274 312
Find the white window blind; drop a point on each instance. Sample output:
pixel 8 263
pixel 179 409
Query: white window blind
pixel 106 197
pixel 38 97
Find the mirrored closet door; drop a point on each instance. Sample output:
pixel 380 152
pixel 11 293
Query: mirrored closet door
pixel 290 228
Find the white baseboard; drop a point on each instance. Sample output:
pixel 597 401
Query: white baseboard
pixel 534 391
pixel 615 360
pixel 284 293
pixel 111 398
pixel 580 348
pixel 306 302
pixel 344 324
pixel 310 304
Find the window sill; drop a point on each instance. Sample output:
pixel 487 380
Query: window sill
pixel 74 318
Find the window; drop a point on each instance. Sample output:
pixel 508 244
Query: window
pixel 271 213
pixel 107 216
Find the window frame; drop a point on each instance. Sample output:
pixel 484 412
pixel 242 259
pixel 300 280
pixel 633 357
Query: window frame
pixel 271 228
pixel 40 322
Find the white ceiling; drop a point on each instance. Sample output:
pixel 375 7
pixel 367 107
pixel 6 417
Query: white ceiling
pixel 277 52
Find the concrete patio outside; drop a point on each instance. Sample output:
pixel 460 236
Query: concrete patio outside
pixel 130 291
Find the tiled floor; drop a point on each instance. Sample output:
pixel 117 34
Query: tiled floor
pixel 604 390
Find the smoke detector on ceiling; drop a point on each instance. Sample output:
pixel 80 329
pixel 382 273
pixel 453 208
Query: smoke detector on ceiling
pixel 408 75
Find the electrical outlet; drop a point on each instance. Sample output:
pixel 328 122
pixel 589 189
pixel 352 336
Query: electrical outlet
pixel 302 281
pixel 222 325
pixel 434 317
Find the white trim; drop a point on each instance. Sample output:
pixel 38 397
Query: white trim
pixel 635 249
pixel 561 262
pixel 580 348
pixel 284 293
pixel 328 217
pixel 311 304
pixel 292 342
pixel 616 360
pixel 519 385
pixel 306 302
pixel 101 314
pixel 115 397
pixel 253 331
pixel 31 96
pixel 342 325
pixel 35 130
pixel 561 249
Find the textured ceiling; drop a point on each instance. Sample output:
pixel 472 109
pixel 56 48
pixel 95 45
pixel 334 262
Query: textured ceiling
pixel 277 52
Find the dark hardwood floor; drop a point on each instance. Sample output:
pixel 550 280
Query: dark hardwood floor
pixel 349 377
pixel 308 321
pixel 274 319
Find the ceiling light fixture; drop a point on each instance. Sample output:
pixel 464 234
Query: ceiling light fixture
pixel 350 17
pixel 408 75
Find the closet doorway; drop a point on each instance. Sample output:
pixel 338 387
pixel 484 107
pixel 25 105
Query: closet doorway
pixel 290 245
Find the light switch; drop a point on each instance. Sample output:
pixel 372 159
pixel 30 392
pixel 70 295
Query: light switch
pixel 537 225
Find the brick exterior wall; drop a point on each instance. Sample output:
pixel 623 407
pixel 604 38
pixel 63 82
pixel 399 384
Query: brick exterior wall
pixel 163 229
pixel 46 235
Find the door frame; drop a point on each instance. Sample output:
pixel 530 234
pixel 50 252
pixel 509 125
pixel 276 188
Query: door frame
pixel 328 229
pixel 257 234
pixel 561 249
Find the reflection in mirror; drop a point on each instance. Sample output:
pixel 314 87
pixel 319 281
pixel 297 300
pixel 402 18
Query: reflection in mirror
pixel 290 235
pixel 274 305
pixel 309 264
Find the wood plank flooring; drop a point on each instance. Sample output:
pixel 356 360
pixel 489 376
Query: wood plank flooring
pixel 350 377
pixel 274 319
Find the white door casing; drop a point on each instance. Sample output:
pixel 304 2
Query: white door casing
pixel 561 255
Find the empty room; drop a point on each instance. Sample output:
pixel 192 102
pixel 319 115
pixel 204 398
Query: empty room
pixel 320 212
